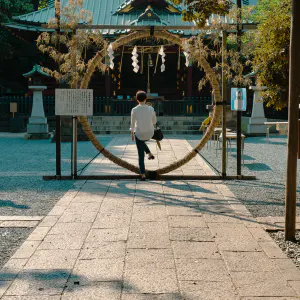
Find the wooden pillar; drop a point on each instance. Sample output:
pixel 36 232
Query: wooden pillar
pixel 294 94
pixel 190 81
pixel 58 120
pixel 239 113
pixel 107 83
pixel 224 96
pixel 299 138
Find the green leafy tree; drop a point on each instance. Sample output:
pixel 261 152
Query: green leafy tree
pixel 8 9
pixel 200 10
pixel 271 54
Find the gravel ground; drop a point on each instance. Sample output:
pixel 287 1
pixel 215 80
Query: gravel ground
pixel 10 240
pixel 291 249
pixel 22 189
pixel 266 195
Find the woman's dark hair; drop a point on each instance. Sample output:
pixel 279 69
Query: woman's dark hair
pixel 141 96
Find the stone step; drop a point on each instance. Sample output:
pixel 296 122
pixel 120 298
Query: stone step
pixel 168 133
pixel 168 123
pixel 126 128
pixel 171 132
pixel 160 119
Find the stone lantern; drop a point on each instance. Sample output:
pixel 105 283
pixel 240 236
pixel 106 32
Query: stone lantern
pixel 256 124
pixel 37 127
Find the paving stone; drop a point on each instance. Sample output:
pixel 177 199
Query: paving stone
pixel 21 218
pixel 191 234
pixel 210 208
pixel 71 229
pixel 27 249
pixel 260 235
pixel 110 206
pixel 249 222
pixel 261 284
pixel 47 282
pixel 151 297
pixel 82 207
pixel 287 268
pixel 148 213
pixel 40 297
pixel 49 221
pixel 19 224
pixel 272 249
pixel 184 249
pixel 62 242
pixel 70 217
pixel 191 210
pixel 149 258
pixel 57 210
pixel 66 199
pixel 92 270
pixel 149 235
pixel 88 196
pixel 107 235
pixel 207 290
pixel 103 250
pixel 96 291
pixel 201 269
pixel 186 221
pixel 218 218
pixel 248 262
pixel 4 285
pixel 269 298
pixel 241 209
pixel 38 234
pixel 296 286
pixel 11 269
pixel 233 237
pixel 150 281
pixel 52 259
pixel 110 220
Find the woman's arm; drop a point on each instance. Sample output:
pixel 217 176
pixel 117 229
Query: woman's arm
pixel 153 116
pixel 132 125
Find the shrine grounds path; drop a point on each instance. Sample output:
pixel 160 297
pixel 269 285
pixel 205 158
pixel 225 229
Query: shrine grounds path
pixel 132 240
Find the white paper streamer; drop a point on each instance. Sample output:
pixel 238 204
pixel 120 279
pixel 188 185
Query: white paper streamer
pixel 135 60
pixel 111 56
pixel 163 55
pixel 186 53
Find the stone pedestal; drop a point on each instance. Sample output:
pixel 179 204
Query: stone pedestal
pixel 37 127
pixel 256 122
pixel 230 116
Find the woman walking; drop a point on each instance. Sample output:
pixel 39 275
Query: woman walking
pixel 142 119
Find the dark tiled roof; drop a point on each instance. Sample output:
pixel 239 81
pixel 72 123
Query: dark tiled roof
pixel 105 13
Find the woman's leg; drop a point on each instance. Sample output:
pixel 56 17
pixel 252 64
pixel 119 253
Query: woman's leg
pixel 141 148
pixel 147 150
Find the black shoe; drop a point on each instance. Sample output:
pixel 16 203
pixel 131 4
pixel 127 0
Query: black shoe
pixel 151 157
pixel 143 179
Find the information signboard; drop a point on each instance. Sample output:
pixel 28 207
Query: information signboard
pixel 238 99
pixel 73 102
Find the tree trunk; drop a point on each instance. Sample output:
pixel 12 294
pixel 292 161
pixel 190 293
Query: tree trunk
pixel 294 94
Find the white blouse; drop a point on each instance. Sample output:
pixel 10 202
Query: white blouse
pixel 142 119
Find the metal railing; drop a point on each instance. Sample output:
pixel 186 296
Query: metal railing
pixel 190 106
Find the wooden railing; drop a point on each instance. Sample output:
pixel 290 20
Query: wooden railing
pixel 190 106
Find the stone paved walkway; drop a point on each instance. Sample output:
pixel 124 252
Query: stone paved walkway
pixel 132 240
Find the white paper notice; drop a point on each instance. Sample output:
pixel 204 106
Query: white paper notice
pixel 73 102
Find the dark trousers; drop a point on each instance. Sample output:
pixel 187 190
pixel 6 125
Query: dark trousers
pixel 142 148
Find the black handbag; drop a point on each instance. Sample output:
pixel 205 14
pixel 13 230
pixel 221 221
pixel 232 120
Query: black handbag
pixel 158 135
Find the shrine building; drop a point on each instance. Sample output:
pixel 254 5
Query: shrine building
pixel 175 81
